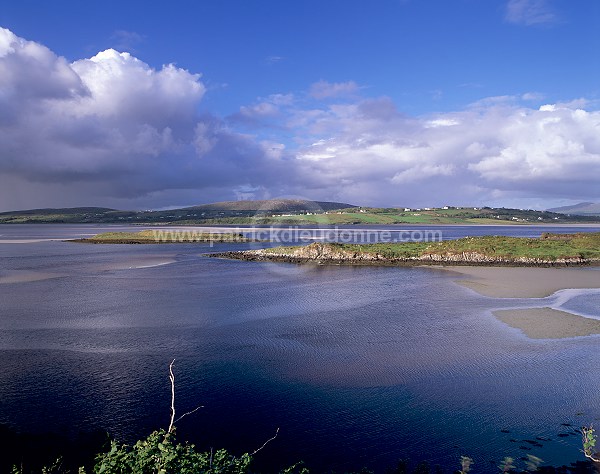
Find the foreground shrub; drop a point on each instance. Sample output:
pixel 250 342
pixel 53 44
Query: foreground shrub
pixel 159 453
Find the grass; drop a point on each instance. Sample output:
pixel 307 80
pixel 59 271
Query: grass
pixel 149 236
pixel 388 217
pixel 549 247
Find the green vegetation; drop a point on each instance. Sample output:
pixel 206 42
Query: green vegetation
pixel 220 212
pixel 588 435
pixel 582 247
pixel 163 236
pixel 160 453
pixel 428 216
pixel 60 216
pixel 295 212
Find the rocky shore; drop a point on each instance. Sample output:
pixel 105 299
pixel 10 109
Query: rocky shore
pixel 321 253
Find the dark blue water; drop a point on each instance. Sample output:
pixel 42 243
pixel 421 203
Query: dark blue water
pixel 357 366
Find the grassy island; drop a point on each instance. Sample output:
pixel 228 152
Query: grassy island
pixel 164 236
pixel 548 250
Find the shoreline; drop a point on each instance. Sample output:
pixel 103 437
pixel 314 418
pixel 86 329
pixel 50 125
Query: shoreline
pixel 543 322
pixel 547 250
pixel 449 263
pixel 324 254
pixel 525 282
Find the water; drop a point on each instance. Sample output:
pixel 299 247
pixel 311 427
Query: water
pixel 357 366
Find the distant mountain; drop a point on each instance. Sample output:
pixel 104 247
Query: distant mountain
pixel 63 211
pixel 301 212
pixel 232 212
pixel 581 209
pixel 273 205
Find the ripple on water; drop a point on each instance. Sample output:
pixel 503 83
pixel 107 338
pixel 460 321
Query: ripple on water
pixel 358 366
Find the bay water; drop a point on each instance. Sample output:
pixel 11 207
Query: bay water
pixel 356 366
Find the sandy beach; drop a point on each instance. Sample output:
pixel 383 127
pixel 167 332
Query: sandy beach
pixel 548 323
pixel 525 282
pixel 519 282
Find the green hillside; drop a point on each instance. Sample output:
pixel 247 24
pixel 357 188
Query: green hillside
pixel 583 208
pixel 295 212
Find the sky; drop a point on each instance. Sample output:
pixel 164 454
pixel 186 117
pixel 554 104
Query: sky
pixel 151 105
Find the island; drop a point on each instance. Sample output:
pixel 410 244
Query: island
pixel 549 249
pixel 165 236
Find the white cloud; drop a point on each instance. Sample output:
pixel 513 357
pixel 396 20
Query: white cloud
pixel 541 148
pixel 31 72
pixel 505 150
pixel 260 110
pixel 532 96
pixel 263 112
pixel 441 122
pixel 530 12
pixel 327 90
pixel 274 59
pixel 121 84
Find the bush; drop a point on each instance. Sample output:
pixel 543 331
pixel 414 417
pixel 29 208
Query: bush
pixel 159 453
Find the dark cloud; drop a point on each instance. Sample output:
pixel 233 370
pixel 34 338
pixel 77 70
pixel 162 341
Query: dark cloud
pixel 115 123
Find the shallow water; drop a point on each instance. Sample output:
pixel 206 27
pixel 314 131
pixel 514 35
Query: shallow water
pixel 356 365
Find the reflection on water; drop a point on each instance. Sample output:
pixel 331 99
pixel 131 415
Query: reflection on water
pixel 356 365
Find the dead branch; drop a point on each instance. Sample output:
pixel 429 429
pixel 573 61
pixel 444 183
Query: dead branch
pixel 172 379
pixel 266 442
pixel 173 420
pixel 189 412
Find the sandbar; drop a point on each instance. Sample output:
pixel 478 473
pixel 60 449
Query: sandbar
pixel 548 323
pixel 141 262
pixel 525 282
pixel 18 276
pixel 25 241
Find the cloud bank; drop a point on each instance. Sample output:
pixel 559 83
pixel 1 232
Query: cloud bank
pixel 494 151
pixel 111 130
pixel 113 125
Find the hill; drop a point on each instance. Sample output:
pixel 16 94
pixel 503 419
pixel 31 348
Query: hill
pixel 62 211
pixel 431 216
pixel 228 212
pixel 582 209
pixel 294 212
pixel 63 215
pixel 274 205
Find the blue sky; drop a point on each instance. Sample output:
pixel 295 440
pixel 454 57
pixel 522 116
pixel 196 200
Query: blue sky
pixel 404 102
